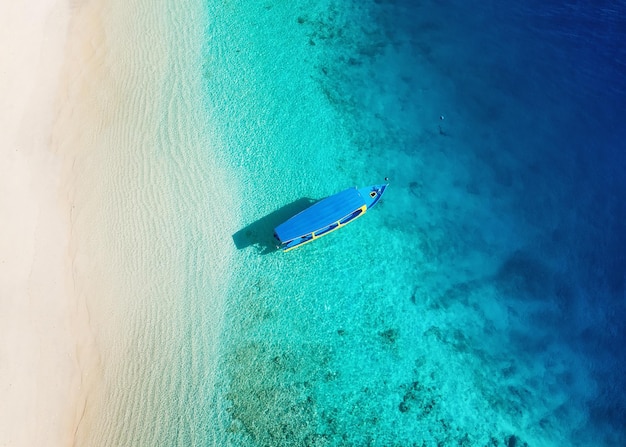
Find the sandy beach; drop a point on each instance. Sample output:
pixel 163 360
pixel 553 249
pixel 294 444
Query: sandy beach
pixel 44 330
pixel 103 197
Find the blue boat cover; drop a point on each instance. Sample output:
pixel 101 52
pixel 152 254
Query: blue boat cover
pixel 321 214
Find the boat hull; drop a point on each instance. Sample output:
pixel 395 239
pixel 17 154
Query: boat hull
pixel 326 216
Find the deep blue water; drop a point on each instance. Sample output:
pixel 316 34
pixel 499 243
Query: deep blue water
pixel 548 81
pixel 536 95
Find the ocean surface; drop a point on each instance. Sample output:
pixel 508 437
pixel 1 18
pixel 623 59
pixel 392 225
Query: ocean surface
pixel 481 303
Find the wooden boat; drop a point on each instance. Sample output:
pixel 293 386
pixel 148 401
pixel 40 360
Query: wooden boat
pixel 326 216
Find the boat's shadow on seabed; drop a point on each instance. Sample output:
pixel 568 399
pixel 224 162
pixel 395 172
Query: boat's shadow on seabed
pixel 260 233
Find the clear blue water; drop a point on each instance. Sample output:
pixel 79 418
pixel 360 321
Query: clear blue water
pixel 483 302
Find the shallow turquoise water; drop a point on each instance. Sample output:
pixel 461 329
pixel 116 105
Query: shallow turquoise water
pixel 452 313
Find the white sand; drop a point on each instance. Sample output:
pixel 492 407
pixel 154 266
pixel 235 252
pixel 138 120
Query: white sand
pixel 44 331
pixel 82 206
